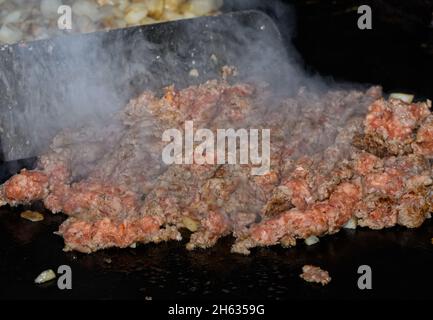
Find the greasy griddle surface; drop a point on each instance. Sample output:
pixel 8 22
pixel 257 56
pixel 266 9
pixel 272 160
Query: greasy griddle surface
pixel 400 258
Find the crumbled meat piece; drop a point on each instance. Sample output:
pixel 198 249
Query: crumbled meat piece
pixel 213 226
pixel 336 157
pixel 423 144
pixel 300 193
pixel 99 200
pixel 394 120
pixel 3 199
pixel 26 186
pixel 374 144
pixel 390 126
pixel 412 210
pixel 376 212
pixel 89 236
pixel 315 274
pixel 319 218
pixel 366 163
pixel 389 183
pixel 280 201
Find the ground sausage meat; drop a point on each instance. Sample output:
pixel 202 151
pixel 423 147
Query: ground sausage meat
pixel 336 156
pixel 26 186
pixel 315 274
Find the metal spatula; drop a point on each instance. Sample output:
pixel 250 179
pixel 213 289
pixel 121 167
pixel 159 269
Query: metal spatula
pixel 49 85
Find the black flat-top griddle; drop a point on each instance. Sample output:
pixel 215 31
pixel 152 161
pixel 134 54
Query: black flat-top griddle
pixel 50 85
pixel 401 261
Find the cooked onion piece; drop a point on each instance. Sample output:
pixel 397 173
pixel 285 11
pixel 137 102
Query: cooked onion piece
pixel 194 73
pixel 49 8
pixel 33 216
pixel 351 224
pixel 136 13
pixel 10 34
pixel 201 7
pixel 311 240
pixel 190 224
pixel 173 5
pixel 45 276
pixel 86 8
pixel 12 17
pixel 155 8
pixel 408 98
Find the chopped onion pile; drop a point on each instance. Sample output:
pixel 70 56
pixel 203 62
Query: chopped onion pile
pixel 32 20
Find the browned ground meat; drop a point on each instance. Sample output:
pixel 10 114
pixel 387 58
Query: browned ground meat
pixel 390 127
pixel 315 274
pixel 335 156
pixel 423 144
pixel 26 187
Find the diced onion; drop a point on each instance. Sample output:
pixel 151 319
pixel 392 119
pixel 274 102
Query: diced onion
pixel 33 216
pixel 30 20
pixel 214 58
pixel 85 24
pixel 10 34
pixel 12 17
pixel 351 224
pixel 173 5
pixel 194 73
pixel 170 15
pixel 148 20
pixel 135 13
pixel 311 240
pixel 155 8
pixel 201 7
pixel 45 276
pixel 123 4
pixel 86 8
pixel 190 224
pixel 49 7
pixel 105 2
pixel 408 98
